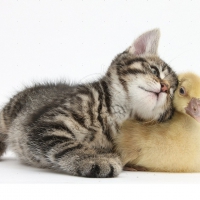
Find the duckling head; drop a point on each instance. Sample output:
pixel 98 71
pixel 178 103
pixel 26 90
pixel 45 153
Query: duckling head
pixel 187 95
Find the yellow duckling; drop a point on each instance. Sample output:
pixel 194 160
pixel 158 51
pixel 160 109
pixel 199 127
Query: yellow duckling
pixel 172 146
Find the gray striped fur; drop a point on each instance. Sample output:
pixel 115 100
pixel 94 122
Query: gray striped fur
pixel 70 128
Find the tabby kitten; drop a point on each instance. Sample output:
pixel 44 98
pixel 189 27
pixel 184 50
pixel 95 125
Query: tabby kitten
pixel 70 128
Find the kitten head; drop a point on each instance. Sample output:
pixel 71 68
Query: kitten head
pixel 146 81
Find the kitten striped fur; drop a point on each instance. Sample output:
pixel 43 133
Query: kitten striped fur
pixel 70 128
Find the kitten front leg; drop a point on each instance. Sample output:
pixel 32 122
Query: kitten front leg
pixel 73 157
pixel 80 160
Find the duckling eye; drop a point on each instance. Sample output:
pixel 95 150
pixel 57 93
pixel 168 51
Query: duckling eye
pixel 182 91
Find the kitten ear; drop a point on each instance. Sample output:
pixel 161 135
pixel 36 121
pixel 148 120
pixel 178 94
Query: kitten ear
pixel 147 43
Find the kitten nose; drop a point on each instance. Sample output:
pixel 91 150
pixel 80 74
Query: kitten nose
pixel 164 87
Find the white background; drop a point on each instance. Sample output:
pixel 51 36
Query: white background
pixel 76 40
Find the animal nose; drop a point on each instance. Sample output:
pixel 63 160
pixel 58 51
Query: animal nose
pixel 164 87
pixel 194 108
pixel 194 104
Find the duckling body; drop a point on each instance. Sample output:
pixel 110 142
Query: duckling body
pixel 173 146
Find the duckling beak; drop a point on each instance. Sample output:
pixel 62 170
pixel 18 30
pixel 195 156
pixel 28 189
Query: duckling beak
pixel 193 109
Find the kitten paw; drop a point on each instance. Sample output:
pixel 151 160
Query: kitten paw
pixel 100 167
